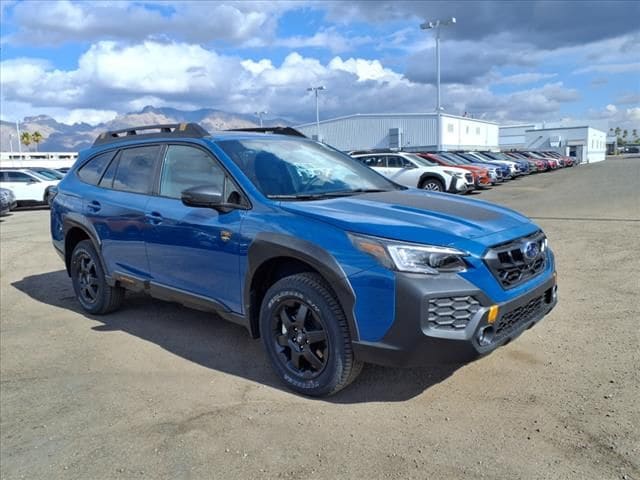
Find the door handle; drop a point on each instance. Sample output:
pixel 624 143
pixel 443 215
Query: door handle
pixel 94 206
pixel 153 218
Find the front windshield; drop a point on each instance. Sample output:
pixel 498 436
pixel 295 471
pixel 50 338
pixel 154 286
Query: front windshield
pixel 452 158
pixel 421 161
pixel 290 168
pixel 39 175
pixel 49 174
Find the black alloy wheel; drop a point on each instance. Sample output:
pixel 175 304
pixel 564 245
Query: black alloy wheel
pixel 306 337
pixel 300 338
pixel 89 288
pixel 93 292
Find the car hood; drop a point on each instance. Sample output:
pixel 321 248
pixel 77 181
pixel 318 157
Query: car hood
pixel 417 216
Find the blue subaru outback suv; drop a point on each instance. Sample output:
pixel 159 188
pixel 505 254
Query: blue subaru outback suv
pixel 328 262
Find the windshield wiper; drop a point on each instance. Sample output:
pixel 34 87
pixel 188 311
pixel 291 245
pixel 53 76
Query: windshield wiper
pixel 316 196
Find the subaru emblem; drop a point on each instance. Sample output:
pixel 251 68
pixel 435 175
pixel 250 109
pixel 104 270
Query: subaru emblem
pixel 530 250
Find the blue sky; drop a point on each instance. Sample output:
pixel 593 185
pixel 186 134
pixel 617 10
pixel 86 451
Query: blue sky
pixel 511 62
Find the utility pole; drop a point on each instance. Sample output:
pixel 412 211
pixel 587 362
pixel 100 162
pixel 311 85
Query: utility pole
pixel 315 90
pixel 436 26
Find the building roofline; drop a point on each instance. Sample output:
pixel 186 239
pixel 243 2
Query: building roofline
pixel 364 115
pixel 562 128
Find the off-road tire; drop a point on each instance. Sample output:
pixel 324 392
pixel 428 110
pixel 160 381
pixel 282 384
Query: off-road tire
pixel 86 267
pixel 340 367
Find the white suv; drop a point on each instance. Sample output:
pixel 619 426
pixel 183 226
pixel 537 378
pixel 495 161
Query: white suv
pixel 26 185
pixel 414 171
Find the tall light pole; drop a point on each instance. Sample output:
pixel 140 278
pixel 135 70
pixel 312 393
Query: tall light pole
pixel 19 139
pixel 11 142
pixel 316 89
pixel 436 26
pixel 259 115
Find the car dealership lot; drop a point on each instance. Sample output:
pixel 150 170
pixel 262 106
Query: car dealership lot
pixel 159 391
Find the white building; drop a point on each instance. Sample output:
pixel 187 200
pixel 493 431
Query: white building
pixel 38 159
pixel 408 131
pixel 585 143
pixel 513 137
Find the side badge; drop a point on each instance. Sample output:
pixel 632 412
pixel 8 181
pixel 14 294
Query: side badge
pixel 225 235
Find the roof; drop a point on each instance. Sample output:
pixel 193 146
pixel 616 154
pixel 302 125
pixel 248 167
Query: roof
pixel 383 115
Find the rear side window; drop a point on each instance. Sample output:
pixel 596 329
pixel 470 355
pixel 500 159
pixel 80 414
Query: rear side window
pixel 397 162
pixel 135 170
pixel 17 177
pixel 373 161
pixel 93 169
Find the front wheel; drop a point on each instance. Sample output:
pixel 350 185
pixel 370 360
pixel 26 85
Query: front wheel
pixel 305 334
pixel 432 184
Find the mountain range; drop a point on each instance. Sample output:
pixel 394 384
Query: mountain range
pixel 61 137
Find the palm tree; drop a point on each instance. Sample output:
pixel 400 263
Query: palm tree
pixel 36 137
pixel 618 130
pixel 25 139
pixel 634 132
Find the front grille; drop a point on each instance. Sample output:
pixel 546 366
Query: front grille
pixel 451 313
pixel 469 177
pixel 515 318
pixel 512 265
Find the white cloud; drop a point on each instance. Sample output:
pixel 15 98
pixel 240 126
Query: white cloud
pixel 327 38
pixel 365 69
pixel 524 78
pixel 193 21
pixel 610 68
pixel 611 116
pixel 87 115
pixel 113 77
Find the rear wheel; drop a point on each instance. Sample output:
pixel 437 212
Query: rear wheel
pixel 305 334
pixel 89 284
pixel 432 184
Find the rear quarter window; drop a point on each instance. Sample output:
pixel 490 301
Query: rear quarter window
pixel 92 171
pixel 136 169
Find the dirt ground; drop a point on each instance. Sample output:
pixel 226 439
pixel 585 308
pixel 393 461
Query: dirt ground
pixel 160 391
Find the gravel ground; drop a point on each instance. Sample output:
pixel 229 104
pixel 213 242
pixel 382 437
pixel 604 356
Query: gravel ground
pixel 160 391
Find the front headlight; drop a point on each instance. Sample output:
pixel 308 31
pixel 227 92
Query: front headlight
pixel 413 258
pixel 455 174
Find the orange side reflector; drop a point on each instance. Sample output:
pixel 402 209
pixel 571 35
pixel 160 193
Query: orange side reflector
pixel 493 313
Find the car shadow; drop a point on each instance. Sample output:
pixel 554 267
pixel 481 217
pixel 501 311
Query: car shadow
pixel 212 342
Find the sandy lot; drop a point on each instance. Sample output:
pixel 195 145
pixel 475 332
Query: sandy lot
pixel 160 391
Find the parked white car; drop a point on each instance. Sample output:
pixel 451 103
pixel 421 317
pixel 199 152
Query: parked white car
pixel 414 171
pixel 27 186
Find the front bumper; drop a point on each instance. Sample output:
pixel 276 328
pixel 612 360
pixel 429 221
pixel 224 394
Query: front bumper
pixel 415 339
pixel 460 185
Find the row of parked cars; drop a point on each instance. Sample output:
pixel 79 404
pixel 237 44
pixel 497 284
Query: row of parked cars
pixel 453 172
pixel 459 172
pixel 27 186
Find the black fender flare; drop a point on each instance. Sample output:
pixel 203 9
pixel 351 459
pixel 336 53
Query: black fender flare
pixel 267 246
pixel 437 176
pixel 77 221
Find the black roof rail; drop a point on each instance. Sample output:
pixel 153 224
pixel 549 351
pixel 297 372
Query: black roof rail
pixel 174 130
pixel 376 150
pixel 275 130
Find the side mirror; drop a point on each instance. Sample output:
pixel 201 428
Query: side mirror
pixel 205 196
